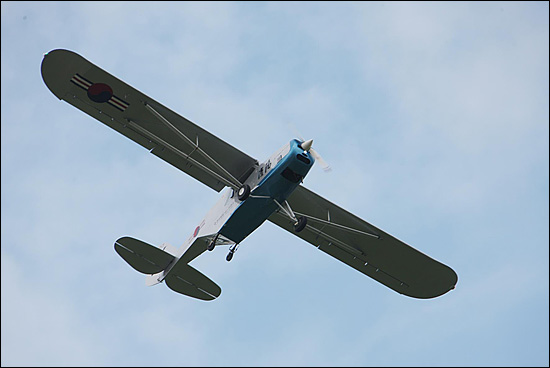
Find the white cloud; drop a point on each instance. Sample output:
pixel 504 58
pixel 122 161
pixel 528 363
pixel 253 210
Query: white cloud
pixel 40 326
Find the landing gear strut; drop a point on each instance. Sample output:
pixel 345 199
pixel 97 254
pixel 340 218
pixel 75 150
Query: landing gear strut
pixel 212 244
pixel 299 222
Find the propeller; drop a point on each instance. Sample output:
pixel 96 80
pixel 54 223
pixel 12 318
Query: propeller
pixel 306 146
pixel 324 165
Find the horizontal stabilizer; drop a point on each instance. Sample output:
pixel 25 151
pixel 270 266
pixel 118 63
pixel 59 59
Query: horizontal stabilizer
pixel 143 257
pixel 186 280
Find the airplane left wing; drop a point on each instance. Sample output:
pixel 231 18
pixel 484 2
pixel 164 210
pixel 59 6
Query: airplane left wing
pixel 163 132
pixel 365 247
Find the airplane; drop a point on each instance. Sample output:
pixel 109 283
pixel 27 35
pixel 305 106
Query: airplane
pixel 252 192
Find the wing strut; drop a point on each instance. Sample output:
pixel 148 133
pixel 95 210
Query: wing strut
pixel 185 156
pixel 236 183
pixel 288 211
pixel 331 240
pixel 333 224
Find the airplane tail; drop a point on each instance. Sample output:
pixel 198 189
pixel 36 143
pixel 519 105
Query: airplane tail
pixel 153 261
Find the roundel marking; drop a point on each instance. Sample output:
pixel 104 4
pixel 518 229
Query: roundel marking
pixel 100 92
pixel 196 231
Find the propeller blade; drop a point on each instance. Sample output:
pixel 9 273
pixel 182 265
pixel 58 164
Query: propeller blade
pixel 324 165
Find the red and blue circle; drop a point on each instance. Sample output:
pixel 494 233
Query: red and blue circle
pixel 100 92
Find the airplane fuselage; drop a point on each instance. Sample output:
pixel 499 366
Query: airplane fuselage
pixel 231 220
pixel 274 181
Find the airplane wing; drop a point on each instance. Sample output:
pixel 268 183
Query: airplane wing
pixel 365 247
pixel 163 132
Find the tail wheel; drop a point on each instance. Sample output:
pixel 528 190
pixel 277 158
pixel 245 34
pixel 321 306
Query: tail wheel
pixel 243 192
pixel 302 222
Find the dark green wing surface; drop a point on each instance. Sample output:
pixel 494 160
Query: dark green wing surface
pixel 366 248
pixel 163 132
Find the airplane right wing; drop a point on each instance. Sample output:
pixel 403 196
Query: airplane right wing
pixel 163 132
pixel 365 247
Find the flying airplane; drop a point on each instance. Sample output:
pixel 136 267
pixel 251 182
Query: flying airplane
pixel 251 192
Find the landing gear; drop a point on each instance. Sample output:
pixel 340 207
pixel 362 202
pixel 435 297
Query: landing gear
pixel 229 256
pixel 232 251
pixel 243 192
pixel 212 244
pixel 300 224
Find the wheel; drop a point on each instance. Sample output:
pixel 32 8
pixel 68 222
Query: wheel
pixel 229 256
pixel 302 222
pixel 211 245
pixel 243 192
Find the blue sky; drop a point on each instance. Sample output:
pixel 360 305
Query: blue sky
pixel 433 116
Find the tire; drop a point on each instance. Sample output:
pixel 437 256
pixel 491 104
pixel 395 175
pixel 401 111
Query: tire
pixel 229 256
pixel 211 246
pixel 302 222
pixel 243 192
